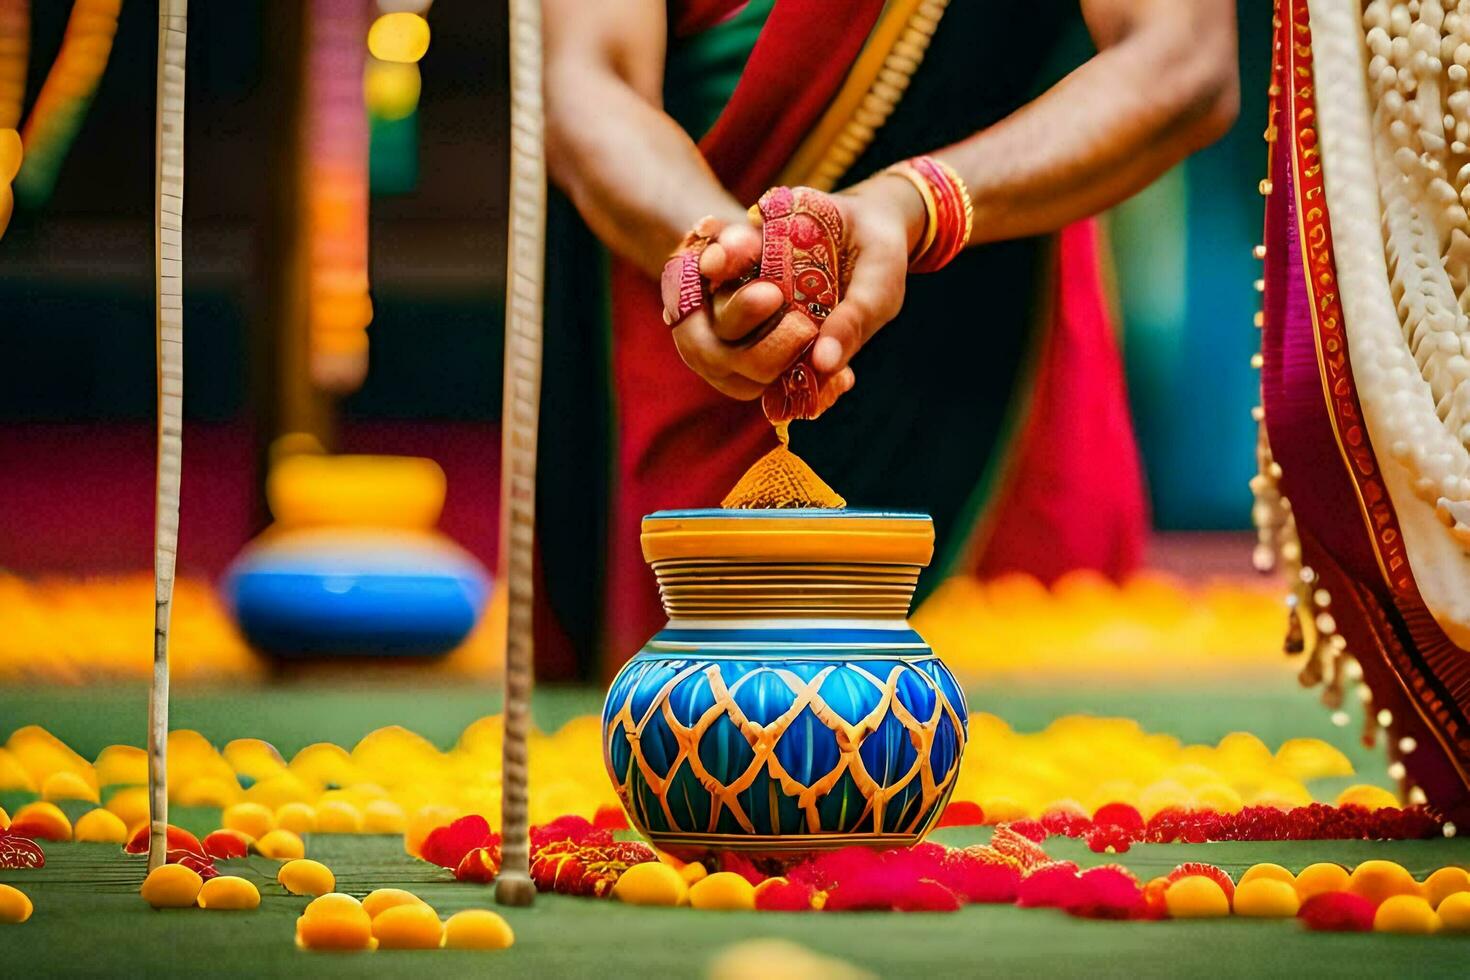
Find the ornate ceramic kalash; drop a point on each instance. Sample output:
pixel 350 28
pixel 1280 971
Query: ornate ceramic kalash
pixel 787 705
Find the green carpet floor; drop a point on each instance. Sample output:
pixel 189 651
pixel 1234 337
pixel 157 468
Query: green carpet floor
pixel 293 715
pixel 90 921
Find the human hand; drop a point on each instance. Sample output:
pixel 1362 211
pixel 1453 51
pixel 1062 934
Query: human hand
pixel 749 335
pixel 727 339
pixel 884 219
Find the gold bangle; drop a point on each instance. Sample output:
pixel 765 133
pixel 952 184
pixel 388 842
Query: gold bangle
pixel 931 210
pixel 964 196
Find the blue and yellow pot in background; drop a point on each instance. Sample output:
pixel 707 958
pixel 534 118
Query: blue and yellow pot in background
pixel 353 565
pixel 787 705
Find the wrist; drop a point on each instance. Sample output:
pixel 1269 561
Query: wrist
pixel 906 200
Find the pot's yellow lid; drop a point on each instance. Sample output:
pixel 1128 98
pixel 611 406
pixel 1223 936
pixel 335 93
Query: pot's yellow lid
pixel 845 536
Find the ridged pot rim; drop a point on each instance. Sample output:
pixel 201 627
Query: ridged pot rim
pixel 795 535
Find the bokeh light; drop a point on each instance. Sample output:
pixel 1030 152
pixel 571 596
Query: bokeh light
pixel 390 89
pixel 401 37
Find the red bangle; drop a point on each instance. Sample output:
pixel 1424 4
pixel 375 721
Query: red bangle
pixel 949 206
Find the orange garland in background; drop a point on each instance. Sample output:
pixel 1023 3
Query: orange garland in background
pixel 1150 629
pixel 1010 630
pixel 66 93
pixel 336 195
pixel 15 26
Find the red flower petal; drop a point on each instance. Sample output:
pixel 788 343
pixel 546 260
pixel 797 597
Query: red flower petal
pixel 920 861
pixel 1027 852
pixel 1066 819
pixel 986 854
pixel 20 853
pixel 926 895
pixel 1052 885
pixel 1119 815
pixel 225 844
pixel 785 896
pixel 585 869
pixel 446 846
pixel 876 890
pixel 825 870
pixel 1107 837
pixel 610 817
pixel 177 837
pixel 195 861
pixel 858 878
pixel 576 829
pixel 480 865
pixel 1108 892
pixel 962 813
pixel 1337 912
pixel 977 880
pixel 1033 830
pixel 743 866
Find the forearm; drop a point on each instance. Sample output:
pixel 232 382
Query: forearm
pixel 636 176
pixel 1101 134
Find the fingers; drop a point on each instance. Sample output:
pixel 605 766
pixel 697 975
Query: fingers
pixel 834 388
pixel 734 252
pixel 768 357
pixel 843 381
pixel 759 363
pixel 738 313
pixel 745 373
pixel 874 296
pixel 738 388
pixel 709 357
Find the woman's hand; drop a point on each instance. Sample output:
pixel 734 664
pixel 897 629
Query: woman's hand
pixel 884 218
pixel 717 341
pixel 731 343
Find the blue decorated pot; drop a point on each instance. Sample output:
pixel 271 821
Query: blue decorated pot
pixel 787 705
pixel 311 592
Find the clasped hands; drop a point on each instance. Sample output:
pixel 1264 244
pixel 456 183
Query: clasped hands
pixel 737 341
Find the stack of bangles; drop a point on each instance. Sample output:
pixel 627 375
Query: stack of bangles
pixel 949 214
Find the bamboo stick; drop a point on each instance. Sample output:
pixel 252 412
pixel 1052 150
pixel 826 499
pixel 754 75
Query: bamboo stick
pixel 169 335
pixel 525 266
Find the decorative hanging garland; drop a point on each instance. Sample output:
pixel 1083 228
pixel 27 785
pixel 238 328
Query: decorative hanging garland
pixel 335 135
pixel 347 87
pixel 62 103
pixel 15 44
pixel 15 27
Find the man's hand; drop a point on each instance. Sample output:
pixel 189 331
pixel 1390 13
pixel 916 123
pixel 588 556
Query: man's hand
pixel 739 345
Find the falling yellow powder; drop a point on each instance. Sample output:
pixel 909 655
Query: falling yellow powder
pixel 781 480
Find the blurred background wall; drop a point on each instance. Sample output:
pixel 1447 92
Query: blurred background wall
pixel 76 332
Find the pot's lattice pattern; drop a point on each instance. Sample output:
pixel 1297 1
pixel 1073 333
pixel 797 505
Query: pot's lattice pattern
pixel 807 750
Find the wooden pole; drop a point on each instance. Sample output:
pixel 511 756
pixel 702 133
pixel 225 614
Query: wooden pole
pixel 168 246
pixel 520 419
